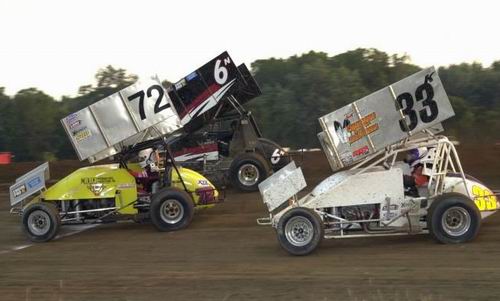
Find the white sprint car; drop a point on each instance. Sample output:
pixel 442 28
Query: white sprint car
pixel 365 143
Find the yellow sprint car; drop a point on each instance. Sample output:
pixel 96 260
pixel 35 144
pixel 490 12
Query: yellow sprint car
pixel 103 193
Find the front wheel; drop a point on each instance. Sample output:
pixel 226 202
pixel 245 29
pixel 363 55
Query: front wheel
pixel 41 222
pixel 453 218
pixel 300 230
pixel 171 209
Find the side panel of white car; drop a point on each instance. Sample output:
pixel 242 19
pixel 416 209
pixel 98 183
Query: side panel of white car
pixel 377 187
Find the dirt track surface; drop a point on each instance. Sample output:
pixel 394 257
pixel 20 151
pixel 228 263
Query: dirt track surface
pixel 224 255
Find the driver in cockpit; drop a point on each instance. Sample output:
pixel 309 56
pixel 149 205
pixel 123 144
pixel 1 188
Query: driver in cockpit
pixel 420 160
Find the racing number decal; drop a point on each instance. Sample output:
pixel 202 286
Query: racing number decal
pixel 407 111
pixel 276 156
pixel 425 116
pixel 149 93
pixel 483 198
pixel 430 111
pixel 220 72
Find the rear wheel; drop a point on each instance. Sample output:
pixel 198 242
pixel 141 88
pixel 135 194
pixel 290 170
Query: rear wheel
pixel 300 230
pixel 171 209
pixel 247 171
pixel 41 221
pixel 453 218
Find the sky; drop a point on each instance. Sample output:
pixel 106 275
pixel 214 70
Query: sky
pixel 58 46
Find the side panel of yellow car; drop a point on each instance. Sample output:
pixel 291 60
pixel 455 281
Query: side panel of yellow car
pixel 193 180
pixel 97 182
pixel 112 182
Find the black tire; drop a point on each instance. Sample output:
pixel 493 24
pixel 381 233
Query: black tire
pixel 171 209
pixel 41 221
pixel 247 171
pixel 291 234
pixel 453 218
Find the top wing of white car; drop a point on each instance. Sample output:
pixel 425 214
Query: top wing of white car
pixel 392 114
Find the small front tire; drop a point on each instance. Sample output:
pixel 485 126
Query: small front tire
pixel 41 221
pixel 453 218
pixel 300 231
pixel 171 209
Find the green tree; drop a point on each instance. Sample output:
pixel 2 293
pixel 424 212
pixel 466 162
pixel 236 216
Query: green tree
pixel 31 124
pixel 108 81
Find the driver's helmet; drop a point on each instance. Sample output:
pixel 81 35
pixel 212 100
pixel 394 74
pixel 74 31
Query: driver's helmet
pixel 414 156
pixel 424 156
pixel 147 158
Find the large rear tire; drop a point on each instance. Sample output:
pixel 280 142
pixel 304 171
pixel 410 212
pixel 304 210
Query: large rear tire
pixel 300 231
pixel 247 171
pixel 171 209
pixel 41 221
pixel 453 218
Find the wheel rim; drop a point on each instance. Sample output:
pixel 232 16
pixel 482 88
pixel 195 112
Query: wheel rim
pixel 299 231
pixel 248 174
pixel 171 211
pixel 456 221
pixel 39 222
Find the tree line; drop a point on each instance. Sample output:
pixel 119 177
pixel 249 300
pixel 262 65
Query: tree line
pixel 296 91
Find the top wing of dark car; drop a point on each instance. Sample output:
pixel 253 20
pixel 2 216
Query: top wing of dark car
pixel 201 94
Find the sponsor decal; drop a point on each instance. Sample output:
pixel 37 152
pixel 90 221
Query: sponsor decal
pixel 125 185
pixel 388 215
pixel 346 157
pixel 361 151
pixel 19 190
pixel 97 180
pixel 341 128
pixel 97 188
pixel 96 184
pixel 350 132
pixel 82 134
pixel 406 205
pixel 203 182
pixel 178 85
pixel 71 118
pixel 391 207
pixel 191 76
pixel 74 124
pixel 357 129
pixel 484 198
pixel 34 182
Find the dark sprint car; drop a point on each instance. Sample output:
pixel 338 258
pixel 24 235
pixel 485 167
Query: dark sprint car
pixel 221 139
